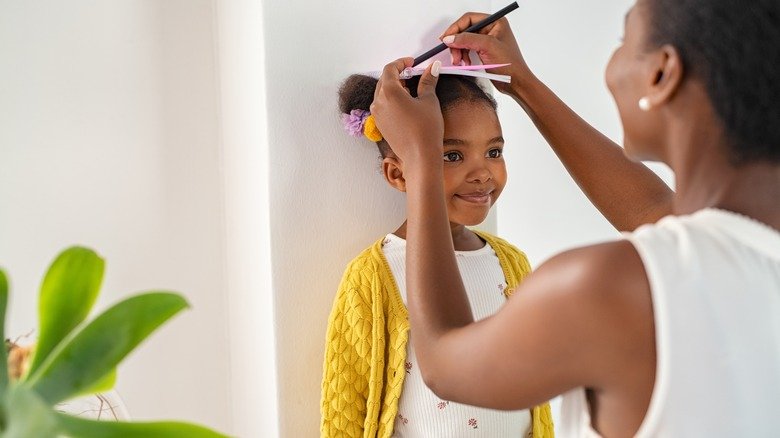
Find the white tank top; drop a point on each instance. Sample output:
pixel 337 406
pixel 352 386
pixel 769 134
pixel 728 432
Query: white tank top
pixel 715 283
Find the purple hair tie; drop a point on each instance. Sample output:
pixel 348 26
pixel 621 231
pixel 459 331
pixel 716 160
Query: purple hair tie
pixel 354 121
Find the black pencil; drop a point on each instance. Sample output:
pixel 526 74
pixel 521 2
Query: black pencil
pixel 473 28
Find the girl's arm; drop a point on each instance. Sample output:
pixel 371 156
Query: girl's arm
pixel 627 193
pixel 343 408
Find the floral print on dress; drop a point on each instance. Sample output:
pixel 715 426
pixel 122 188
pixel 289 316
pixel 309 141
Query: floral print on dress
pixel 442 404
pixel 473 423
pixel 403 419
pixel 408 367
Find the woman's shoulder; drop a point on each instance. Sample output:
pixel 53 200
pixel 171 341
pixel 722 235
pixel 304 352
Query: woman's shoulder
pixel 602 267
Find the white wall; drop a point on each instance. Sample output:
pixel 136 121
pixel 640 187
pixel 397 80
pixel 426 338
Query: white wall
pixel 328 199
pixel 243 119
pixel 108 134
pixel 567 43
pixel 197 145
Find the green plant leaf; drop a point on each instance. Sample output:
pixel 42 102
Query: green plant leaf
pixel 68 292
pixel 3 350
pixel 89 354
pixel 83 428
pixel 28 415
pixel 105 384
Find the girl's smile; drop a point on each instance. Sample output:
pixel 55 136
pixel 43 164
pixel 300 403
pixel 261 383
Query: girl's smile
pixel 478 197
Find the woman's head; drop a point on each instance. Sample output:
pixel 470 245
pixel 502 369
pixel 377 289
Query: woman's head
pixel 730 49
pixel 474 170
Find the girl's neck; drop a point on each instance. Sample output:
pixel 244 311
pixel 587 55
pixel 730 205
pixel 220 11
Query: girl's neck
pixel 463 239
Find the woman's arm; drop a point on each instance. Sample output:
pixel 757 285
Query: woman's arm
pixel 578 321
pixel 627 193
pixel 583 319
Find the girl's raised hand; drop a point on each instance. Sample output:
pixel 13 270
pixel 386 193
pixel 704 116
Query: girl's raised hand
pixel 413 127
pixel 495 44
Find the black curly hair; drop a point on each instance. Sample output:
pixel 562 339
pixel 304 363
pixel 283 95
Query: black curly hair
pixel 357 92
pixel 733 48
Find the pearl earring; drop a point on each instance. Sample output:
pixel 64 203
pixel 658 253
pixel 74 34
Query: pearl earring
pixel 644 104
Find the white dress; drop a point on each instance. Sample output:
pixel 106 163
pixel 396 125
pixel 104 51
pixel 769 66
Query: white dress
pixel 420 412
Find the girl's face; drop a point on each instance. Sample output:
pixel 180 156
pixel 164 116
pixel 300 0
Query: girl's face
pixel 629 76
pixel 474 168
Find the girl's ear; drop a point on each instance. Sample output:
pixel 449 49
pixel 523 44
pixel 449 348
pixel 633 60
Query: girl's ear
pixel 394 173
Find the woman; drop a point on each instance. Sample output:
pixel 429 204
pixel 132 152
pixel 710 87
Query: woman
pixel 670 331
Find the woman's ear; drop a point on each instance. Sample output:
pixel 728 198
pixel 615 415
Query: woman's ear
pixel 666 77
pixel 394 173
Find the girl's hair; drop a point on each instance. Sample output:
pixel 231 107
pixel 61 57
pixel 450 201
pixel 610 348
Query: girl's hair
pixel 357 92
pixel 733 47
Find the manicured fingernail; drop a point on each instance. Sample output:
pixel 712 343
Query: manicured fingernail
pixel 435 68
pixel 449 39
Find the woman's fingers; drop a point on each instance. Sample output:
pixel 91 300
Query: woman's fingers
pixel 470 41
pixel 426 89
pixel 392 71
pixel 406 122
pixel 390 85
pixel 464 55
pixel 456 55
pixel 460 55
pixel 391 75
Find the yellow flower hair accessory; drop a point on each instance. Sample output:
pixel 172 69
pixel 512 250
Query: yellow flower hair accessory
pixel 370 130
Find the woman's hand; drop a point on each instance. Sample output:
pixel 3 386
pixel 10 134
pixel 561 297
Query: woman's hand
pixel 413 127
pixel 495 44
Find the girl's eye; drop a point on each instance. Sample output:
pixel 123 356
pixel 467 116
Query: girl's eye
pixel 452 156
pixel 495 153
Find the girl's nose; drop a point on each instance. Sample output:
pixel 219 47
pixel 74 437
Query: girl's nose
pixel 479 174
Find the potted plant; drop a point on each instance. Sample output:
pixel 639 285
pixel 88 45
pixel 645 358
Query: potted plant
pixel 74 358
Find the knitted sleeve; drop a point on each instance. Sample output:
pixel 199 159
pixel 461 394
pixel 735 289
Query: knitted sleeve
pixel 347 365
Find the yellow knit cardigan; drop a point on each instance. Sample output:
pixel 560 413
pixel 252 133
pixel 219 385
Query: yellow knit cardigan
pixel 366 346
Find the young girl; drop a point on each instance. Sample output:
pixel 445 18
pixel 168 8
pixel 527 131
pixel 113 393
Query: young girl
pixel 372 384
